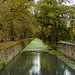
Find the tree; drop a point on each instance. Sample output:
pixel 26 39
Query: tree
pixel 55 14
pixel 16 20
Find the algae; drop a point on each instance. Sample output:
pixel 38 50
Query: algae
pixel 36 45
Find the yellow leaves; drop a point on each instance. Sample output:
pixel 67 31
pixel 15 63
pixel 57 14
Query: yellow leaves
pixel 74 30
pixel 49 26
pixel 13 4
pixel 69 26
pixel 51 22
pixel 4 7
pixel 47 30
pixel 17 20
pixel 1 34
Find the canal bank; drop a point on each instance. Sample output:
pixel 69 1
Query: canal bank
pixel 38 46
pixel 35 46
pixel 67 49
pixel 6 55
pixel 35 63
pixel 64 58
pixel 66 52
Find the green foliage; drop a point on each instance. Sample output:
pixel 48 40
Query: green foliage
pixel 53 13
pixel 16 20
pixel 4 64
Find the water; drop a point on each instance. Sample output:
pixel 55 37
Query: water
pixel 32 63
pixel 29 62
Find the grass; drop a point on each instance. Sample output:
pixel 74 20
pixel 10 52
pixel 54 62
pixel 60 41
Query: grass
pixel 6 44
pixel 54 52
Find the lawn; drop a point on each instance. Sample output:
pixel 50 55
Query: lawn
pixel 6 44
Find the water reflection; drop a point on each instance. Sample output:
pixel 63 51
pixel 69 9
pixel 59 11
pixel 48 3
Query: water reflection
pixel 37 64
pixel 66 72
pixel 36 68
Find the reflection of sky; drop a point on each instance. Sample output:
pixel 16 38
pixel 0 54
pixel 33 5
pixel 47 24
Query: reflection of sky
pixel 36 68
pixel 66 72
pixel 72 2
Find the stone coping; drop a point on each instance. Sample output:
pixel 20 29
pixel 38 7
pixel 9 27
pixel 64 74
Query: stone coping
pixel 59 42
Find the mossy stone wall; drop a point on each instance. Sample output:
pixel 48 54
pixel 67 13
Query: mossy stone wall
pixel 67 49
pixel 8 54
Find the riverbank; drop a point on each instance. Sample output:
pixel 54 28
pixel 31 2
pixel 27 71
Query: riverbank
pixel 6 44
pixel 64 58
pixel 10 49
pixel 67 49
pixel 37 46
pixel 6 55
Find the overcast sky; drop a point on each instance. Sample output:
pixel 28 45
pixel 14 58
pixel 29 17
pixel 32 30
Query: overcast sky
pixel 66 3
pixel 73 2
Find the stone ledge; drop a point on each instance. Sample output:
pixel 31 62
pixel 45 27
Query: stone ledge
pixel 67 49
pixel 66 43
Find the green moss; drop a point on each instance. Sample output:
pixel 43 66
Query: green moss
pixel 4 63
pixel 54 51
pixel 71 52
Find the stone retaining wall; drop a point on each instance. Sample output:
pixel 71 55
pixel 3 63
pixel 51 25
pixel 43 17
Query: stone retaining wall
pixel 9 53
pixel 67 49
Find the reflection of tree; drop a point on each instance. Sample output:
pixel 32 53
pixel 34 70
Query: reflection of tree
pixel 63 69
pixel 48 65
pixel 51 65
pixel 20 65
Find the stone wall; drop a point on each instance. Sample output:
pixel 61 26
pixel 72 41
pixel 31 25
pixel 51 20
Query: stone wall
pixel 67 49
pixel 8 54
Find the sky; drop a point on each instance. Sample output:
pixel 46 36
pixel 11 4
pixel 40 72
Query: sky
pixel 71 3
pixel 66 3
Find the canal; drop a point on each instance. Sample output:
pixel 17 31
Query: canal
pixel 33 62
pixel 37 64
